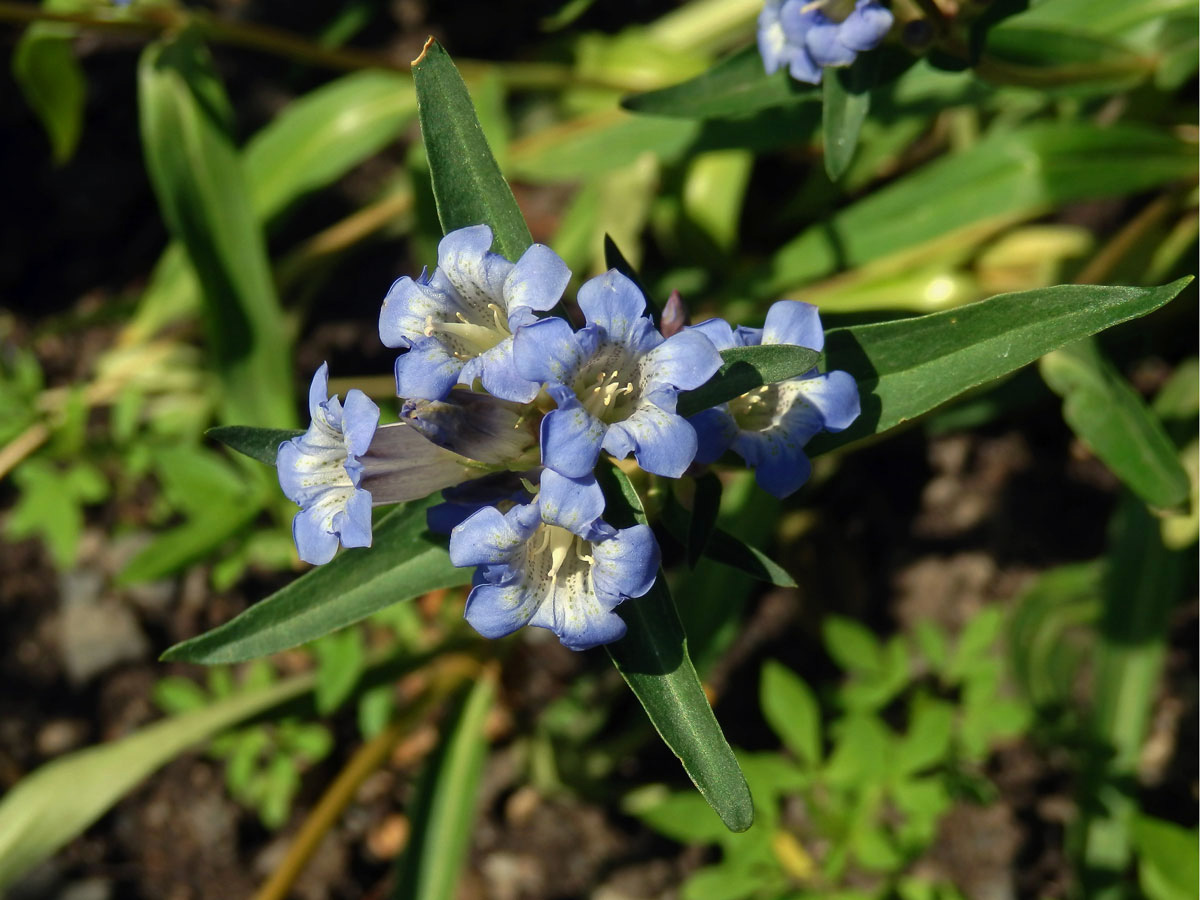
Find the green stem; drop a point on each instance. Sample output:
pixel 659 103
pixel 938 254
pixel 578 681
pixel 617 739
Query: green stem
pixel 276 41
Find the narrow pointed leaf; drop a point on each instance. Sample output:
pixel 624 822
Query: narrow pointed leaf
pixel 197 176
pixel 314 140
pixel 724 548
pixel 747 368
pixel 653 659
pixel 847 98
pixel 58 801
pixel 1105 411
pixel 467 183
pixel 257 443
pixel 1009 176
pixel 48 73
pixel 447 802
pixel 908 367
pixel 405 562
pixel 734 87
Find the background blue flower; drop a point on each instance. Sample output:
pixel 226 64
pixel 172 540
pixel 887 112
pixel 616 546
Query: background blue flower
pixel 806 36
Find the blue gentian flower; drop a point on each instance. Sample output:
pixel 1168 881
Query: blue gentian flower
pixel 345 463
pixel 806 35
pixel 615 382
pixel 554 564
pixel 769 426
pixel 457 324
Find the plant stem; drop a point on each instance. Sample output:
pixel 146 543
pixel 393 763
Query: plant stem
pixel 276 41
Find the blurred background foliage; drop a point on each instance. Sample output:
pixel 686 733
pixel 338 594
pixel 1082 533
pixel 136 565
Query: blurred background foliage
pixel 984 685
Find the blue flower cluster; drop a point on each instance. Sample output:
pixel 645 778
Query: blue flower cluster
pixel 808 35
pixel 508 412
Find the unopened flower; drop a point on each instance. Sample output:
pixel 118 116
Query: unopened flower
pixel 554 564
pixel 807 35
pixel 345 463
pixel 478 426
pixel 615 382
pixel 769 426
pixel 457 324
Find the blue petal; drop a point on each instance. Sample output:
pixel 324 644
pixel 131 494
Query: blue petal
pixel 835 396
pixel 715 431
pixel 307 470
pixel 537 281
pixel 821 41
pixel 428 371
pixel 571 439
pixel 359 420
pixel 477 276
pixel 408 304
pixel 354 526
pixel 581 620
pixel 745 336
pixel 772 41
pixel 497 610
pixel 613 302
pixel 489 537
pixel 796 19
pixel 664 443
pixel 685 360
pixel 804 68
pixel 314 544
pixel 793 322
pixel 547 351
pixel 780 466
pixel 718 331
pixel 626 564
pixel 318 390
pixel 866 27
pixel 498 371
pixel 570 503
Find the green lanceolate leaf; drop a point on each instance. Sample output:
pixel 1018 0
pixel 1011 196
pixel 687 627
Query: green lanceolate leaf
pixel 846 100
pixel 48 74
pixel 403 563
pixel 1060 61
pixel 257 443
pixel 1110 417
pixel 908 367
pixel 48 808
pixel 467 183
pixel 197 176
pixel 747 368
pixel 1009 176
pixel 315 140
pixel 653 659
pixel 322 135
pixel 447 802
pixel 732 88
